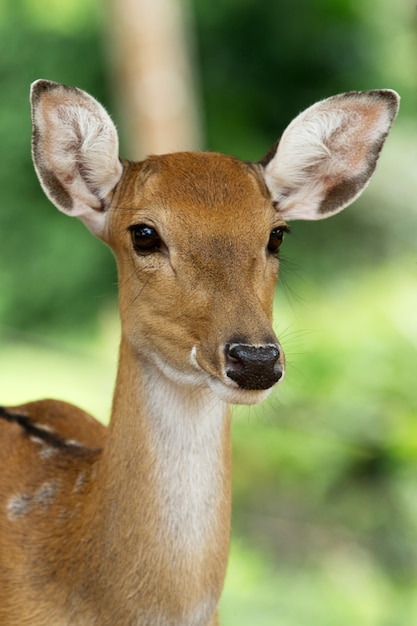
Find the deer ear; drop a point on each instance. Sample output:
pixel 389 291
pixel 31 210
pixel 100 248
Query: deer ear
pixel 75 151
pixel 328 154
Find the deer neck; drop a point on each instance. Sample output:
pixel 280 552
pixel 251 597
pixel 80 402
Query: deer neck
pixel 163 488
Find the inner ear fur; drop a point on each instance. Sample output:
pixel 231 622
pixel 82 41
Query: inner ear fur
pixel 75 151
pixel 327 155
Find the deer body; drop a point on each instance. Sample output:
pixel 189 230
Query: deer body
pixel 130 525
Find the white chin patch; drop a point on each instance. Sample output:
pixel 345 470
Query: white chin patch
pixel 232 394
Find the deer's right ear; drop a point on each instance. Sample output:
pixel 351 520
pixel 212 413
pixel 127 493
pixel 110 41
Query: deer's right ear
pixel 75 151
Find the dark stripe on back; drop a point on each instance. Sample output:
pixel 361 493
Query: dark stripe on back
pixel 49 438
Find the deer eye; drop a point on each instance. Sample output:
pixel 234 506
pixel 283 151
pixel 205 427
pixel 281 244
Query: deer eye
pixel 145 239
pixel 275 238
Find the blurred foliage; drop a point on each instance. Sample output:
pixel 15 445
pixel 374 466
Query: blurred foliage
pixel 263 62
pixel 345 587
pixel 52 274
pixel 325 473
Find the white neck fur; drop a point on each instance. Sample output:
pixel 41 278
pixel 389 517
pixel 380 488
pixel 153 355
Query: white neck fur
pixel 187 425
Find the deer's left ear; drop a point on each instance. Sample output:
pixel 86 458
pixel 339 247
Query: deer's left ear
pixel 328 154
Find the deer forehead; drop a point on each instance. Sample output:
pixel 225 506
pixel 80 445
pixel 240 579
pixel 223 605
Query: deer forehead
pixel 199 194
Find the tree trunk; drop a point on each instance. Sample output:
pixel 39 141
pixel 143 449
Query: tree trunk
pixel 153 76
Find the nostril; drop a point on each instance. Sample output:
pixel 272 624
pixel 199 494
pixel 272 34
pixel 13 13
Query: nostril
pixel 233 357
pixel 253 366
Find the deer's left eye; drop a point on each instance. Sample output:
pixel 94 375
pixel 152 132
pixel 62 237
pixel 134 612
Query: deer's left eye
pixel 145 239
pixel 275 239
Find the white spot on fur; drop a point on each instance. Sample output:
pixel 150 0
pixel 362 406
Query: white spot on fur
pixel 45 494
pixel 18 506
pixel 193 359
pixel 47 452
pixel 73 442
pixel 80 482
pixel 37 440
pixel 45 427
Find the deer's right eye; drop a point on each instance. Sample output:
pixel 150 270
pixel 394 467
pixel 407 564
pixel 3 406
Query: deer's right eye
pixel 145 239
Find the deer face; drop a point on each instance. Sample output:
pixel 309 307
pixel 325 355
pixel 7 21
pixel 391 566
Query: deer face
pixel 197 238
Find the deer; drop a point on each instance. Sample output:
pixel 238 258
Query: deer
pixel 129 524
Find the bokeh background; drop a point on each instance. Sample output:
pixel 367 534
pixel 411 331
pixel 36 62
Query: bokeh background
pixel 325 473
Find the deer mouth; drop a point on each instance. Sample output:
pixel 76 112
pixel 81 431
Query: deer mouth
pixel 248 374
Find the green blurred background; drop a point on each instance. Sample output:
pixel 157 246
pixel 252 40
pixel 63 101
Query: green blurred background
pixel 325 473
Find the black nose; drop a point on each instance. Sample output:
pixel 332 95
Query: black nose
pixel 253 367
